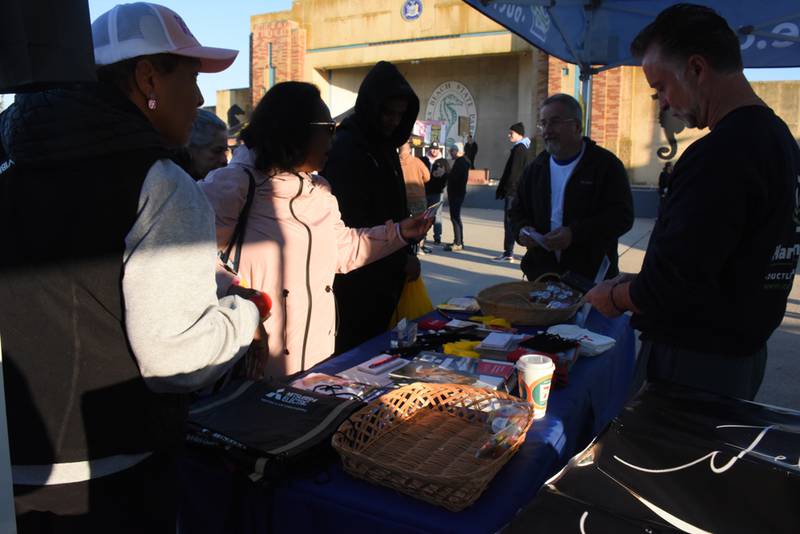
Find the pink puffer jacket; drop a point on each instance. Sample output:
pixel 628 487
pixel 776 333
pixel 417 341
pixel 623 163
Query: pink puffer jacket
pixel 295 243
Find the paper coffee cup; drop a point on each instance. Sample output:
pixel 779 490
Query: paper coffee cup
pixel 535 373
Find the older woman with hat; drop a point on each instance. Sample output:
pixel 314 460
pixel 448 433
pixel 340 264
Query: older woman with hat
pixel 108 304
pixel 208 145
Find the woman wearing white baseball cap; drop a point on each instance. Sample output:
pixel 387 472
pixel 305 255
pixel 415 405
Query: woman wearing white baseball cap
pixel 149 52
pixel 108 304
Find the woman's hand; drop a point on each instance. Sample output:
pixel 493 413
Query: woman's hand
pixel 259 298
pixel 414 228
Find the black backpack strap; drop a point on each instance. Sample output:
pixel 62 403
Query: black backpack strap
pixel 237 238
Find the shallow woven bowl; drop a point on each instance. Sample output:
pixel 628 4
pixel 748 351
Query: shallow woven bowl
pixel 510 300
pixel 421 440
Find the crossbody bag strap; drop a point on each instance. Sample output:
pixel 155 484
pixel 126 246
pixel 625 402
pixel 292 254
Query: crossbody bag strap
pixel 237 239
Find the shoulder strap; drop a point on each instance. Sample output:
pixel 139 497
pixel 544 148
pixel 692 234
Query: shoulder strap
pixel 237 238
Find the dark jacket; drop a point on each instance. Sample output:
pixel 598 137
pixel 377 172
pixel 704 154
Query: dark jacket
pixel 364 171
pixel 598 208
pixel 471 151
pixel 73 388
pixel 436 185
pixel 518 158
pixel 457 179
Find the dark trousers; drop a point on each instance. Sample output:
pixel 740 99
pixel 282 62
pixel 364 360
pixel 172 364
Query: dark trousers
pixel 140 499
pixel 731 376
pixel 366 299
pixel 455 202
pixel 437 218
pixel 508 233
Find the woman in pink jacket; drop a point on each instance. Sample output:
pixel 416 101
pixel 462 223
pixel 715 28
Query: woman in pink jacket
pixel 295 241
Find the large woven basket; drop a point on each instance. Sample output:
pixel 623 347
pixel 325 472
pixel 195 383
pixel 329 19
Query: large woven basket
pixel 421 440
pixel 510 300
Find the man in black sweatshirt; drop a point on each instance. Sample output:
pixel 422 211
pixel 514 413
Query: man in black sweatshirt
pixel 723 253
pixel 364 171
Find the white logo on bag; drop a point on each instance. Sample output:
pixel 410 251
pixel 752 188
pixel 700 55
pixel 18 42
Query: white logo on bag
pixel 288 398
pixel 6 165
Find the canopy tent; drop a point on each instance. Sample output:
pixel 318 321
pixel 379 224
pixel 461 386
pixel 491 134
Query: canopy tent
pixel 596 34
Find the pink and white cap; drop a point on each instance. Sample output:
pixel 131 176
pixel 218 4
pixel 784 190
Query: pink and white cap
pixel 132 30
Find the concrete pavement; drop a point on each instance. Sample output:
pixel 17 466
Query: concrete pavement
pixel 450 274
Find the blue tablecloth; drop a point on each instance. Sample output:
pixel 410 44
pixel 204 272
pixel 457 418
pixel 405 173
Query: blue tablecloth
pixel 335 502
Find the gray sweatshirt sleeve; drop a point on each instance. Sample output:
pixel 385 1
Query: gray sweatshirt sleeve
pixel 182 335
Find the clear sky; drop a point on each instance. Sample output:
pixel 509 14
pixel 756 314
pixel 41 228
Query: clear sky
pixel 227 24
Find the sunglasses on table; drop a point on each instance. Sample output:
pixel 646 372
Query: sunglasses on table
pixel 329 126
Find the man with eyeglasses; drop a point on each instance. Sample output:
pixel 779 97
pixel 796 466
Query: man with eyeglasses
pixel 723 253
pixel 574 200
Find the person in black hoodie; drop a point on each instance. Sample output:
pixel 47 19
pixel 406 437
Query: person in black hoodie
pixel 723 253
pixel 364 171
pixel 471 151
pixel 456 193
pixel 108 308
pixel 575 194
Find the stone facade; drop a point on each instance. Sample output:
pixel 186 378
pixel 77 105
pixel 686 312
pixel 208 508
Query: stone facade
pixel 333 43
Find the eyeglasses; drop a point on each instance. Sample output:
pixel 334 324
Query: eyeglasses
pixel 330 126
pixel 555 121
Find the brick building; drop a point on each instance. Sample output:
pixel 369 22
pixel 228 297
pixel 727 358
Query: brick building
pixel 460 63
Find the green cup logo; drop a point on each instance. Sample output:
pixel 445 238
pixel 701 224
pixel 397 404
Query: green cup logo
pixel 537 392
pixel 540 392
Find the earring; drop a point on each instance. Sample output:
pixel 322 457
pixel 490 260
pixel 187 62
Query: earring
pixel 152 103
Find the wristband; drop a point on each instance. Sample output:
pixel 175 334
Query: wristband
pixel 400 234
pixel 261 300
pixel 613 302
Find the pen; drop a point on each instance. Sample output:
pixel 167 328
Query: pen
pixel 382 361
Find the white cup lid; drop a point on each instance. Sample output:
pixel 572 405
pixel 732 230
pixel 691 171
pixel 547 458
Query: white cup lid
pixel 534 360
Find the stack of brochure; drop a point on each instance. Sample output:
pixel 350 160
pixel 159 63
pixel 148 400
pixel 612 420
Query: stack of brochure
pixel 440 368
pixel 498 345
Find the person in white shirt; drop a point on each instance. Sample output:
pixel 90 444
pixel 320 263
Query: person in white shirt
pixel 574 200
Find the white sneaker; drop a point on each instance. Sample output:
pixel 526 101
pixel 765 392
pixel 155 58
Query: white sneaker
pixel 504 257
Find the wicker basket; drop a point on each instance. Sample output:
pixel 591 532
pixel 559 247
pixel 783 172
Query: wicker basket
pixel 511 301
pixel 421 440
